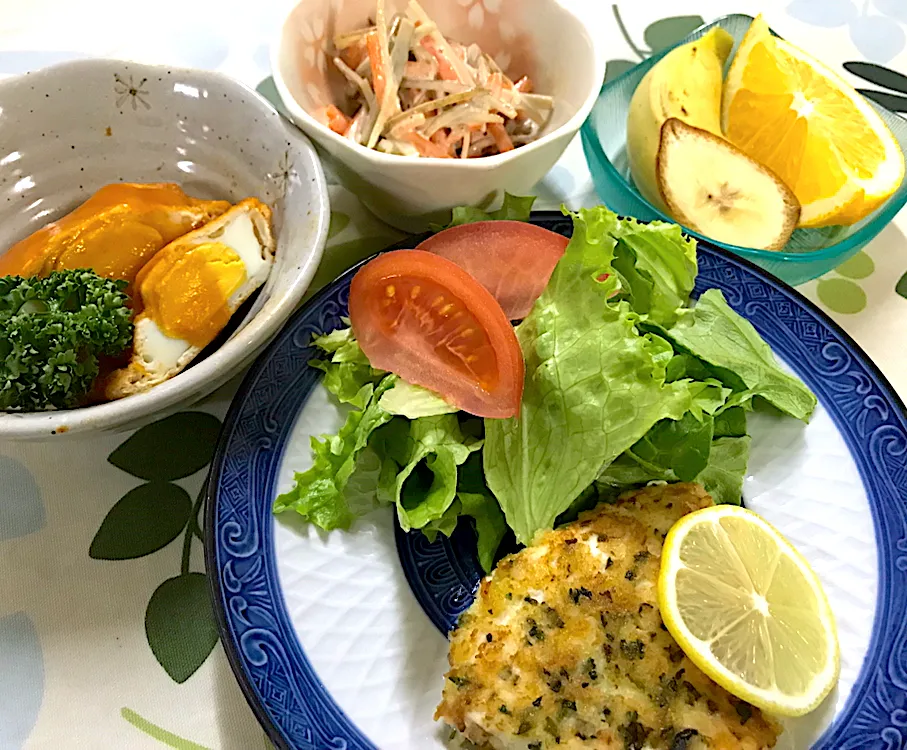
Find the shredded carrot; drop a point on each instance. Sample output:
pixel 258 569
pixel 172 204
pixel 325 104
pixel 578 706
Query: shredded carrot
pixel 501 139
pixel 445 69
pixel 427 95
pixel 334 119
pixel 524 85
pixel 495 84
pixel 424 146
pixel 354 54
pixel 447 139
pixel 379 82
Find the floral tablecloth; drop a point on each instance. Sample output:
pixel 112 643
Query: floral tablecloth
pixel 106 633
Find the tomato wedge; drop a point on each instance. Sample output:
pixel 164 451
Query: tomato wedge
pixel 512 259
pixel 424 318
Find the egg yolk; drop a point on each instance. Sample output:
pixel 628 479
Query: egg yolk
pixel 186 290
pixel 114 233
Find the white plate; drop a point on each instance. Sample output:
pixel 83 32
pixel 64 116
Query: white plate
pixel 335 637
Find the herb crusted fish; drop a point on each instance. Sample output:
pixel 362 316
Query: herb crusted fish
pixel 564 646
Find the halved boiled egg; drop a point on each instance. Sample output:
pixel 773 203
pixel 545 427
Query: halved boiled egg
pixel 187 292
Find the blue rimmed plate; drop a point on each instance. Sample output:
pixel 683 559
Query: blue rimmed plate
pixel 337 639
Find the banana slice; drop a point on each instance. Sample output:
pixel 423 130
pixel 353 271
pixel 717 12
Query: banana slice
pixel 685 83
pixel 712 187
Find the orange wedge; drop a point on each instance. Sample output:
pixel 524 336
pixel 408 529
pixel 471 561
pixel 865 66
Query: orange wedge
pixel 805 123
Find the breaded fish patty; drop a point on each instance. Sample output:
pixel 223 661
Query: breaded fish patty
pixel 564 646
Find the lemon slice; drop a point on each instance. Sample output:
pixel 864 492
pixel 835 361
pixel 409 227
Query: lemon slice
pixel 747 609
pixel 811 128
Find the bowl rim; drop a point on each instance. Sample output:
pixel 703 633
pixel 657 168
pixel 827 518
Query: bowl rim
pixel 571 126
pixel 237 351
pixel 882 215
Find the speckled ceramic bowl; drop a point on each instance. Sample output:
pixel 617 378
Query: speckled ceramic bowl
pixel 69 129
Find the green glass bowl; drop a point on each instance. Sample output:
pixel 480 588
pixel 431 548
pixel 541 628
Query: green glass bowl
pixel 809 253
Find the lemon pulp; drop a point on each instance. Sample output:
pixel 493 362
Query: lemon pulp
pixel 747 609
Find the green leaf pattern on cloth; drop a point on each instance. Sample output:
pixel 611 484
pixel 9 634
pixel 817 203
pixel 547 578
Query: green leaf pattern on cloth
pixel 169 449
pixel 180 626
pixel 666 32
pixel 179 621
pixel 658 35
pixel 143 521
pixel 159 733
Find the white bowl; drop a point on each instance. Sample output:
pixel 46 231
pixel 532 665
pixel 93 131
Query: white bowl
pixel 540 38
pixel 69 129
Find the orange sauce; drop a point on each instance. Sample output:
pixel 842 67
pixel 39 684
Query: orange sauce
pixel 114 233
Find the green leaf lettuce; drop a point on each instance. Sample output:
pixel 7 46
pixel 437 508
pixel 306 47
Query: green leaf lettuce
pixel 658 264
pixel 319 493
pixel 722 475
pixel 414 401
pixel 347 372
pixel 594 386
pixel 426 453
pixel 475 501
pixel 720 337
pixel 513 208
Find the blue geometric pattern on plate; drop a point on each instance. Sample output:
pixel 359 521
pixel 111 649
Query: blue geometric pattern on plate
pixel 270 663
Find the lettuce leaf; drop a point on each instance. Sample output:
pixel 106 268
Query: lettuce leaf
pixel 319 493
pixel 681 446
pixel 347 372
pixel 350 383
pixel 426 453
pixel 361 491
pixel 731 422
pixel 446 524
pixel 341 344
pixel 349 376
pixel 718 336
pixel 488 522
pixel 594 386
pixel 683 366
pixel 513 208
pixel 658 264
pixel 626 472
pixel 722 476
pixel 662 354
pixel 475 501
pixel 709 397
pixel 414 401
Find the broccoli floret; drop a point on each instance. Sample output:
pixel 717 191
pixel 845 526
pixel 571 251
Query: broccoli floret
pixel 52 331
